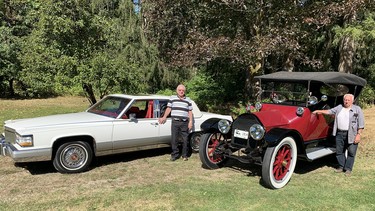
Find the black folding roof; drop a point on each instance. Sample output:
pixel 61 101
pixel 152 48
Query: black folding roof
pixel 325 77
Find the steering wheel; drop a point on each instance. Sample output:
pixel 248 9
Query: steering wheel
pixel 278 98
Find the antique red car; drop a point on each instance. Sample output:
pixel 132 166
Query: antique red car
pixel 282 128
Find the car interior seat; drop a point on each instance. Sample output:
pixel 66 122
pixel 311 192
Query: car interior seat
pixel 133 109
pixel 149 109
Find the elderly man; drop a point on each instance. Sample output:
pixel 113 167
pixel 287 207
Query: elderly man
pixel 180 108
pixel 348 126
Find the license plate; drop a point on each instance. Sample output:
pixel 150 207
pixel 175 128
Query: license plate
pixel 241 134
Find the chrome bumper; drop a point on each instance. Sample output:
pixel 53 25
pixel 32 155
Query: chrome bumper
pixel 9 150
pixel 2 145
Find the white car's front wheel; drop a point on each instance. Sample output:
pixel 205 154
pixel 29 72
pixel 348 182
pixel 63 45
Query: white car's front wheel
pixel 279 163
pixel 73 157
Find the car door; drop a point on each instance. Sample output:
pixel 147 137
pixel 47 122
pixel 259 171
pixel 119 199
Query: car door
pixel 137 130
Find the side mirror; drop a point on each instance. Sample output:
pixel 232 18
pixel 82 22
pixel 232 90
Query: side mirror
pixel 324 98
pixel 132 116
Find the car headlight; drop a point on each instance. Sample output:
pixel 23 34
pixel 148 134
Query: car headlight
pixel 257 131
pixel 24 141
pixel 258 106
pixel 224 126
pixel 300 111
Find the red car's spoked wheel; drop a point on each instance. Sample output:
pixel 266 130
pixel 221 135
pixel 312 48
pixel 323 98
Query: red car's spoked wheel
pixel 282 162
pixel 211 149
pixel 279 162
pixel 212 146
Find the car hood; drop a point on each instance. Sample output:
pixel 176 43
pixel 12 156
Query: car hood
pixel 54 120
pixel 272 116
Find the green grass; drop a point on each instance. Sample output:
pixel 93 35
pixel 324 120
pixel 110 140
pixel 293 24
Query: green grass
pixel 147 180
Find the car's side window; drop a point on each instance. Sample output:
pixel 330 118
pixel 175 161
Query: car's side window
pixel 142 109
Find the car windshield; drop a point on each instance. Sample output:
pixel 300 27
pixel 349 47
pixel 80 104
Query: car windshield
pixel 110 106
pixel 286 93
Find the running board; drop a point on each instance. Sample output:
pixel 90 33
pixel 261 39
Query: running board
pixel 318 152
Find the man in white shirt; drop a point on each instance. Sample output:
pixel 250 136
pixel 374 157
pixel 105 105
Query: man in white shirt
pixel 348 126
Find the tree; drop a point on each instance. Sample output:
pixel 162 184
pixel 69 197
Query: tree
pixel 14 26
pixel 94 45
pixel 257 35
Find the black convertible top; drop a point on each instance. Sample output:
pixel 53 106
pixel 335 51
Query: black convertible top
pixel 325 77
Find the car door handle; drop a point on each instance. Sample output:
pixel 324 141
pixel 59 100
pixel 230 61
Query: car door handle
pixel 154 123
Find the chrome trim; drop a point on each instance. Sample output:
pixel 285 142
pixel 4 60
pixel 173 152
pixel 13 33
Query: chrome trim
pixel 30 155
pixel 139 148
pixel 2 145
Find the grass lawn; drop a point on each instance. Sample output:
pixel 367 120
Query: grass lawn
pixel 147 180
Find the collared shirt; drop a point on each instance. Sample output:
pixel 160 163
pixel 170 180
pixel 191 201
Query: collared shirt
pixel 356 121
pixel 180 107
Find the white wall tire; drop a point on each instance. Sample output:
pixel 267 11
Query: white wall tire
pixel 279 163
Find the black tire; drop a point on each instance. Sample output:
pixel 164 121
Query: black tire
pixel 279 163
pixel 195 140
pixel 73 157
pixel 211 150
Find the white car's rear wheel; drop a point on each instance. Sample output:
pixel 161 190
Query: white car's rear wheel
pixel 73 157
pixel 195 139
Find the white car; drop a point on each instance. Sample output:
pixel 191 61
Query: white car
pixel 116 124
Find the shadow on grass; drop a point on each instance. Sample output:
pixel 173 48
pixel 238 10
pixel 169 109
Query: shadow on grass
pixel 302 166
pixel 128 156
pixel 46 167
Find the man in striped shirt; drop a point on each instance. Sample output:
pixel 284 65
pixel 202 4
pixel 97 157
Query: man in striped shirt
pixel 180 108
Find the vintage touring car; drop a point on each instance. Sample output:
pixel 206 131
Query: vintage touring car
pixel 282 128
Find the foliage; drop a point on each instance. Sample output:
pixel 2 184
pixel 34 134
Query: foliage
pixel 166 92
pixel 51 47
pixel 259 36
pixel 205 91
pixel 241 108
pixel 367 97
pixel 99 44
pixel 14 25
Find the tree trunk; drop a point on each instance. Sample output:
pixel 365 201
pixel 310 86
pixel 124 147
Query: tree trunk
pixel 346 50
pixel 289 64
pixel 87 88
pixel 249 86
pixel 11 88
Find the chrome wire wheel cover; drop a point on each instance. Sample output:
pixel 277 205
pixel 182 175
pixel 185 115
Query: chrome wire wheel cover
pixel 74 157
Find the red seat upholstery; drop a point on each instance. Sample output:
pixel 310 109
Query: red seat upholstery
pixel 133 109
pixel 150 109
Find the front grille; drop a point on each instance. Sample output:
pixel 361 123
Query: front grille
pixel 10 135
pixel 244 122
pixel 239 142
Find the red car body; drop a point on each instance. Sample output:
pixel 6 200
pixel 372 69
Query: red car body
pixel 282 127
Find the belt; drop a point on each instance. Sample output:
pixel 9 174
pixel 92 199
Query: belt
pixel 180 119
pixel 343 131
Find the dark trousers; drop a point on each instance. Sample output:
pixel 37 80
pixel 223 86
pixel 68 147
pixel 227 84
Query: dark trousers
pixel 179 131
pixel 342 145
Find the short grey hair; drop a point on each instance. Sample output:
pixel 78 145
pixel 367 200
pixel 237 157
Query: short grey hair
pixel 349 95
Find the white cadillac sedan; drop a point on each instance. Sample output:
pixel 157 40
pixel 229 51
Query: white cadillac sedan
pixel 116 124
